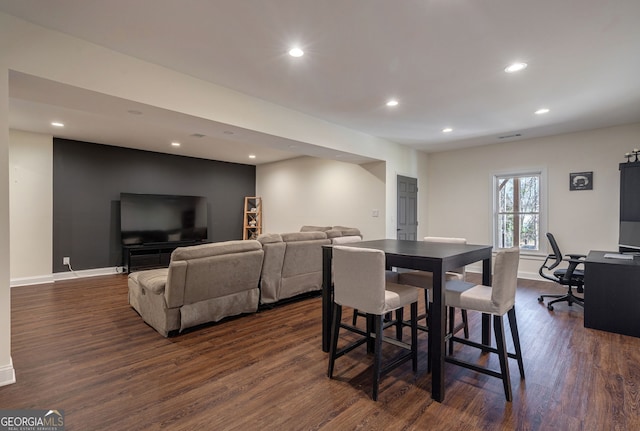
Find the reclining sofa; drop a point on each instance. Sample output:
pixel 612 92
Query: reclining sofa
pixel 206 283
pixel 203 283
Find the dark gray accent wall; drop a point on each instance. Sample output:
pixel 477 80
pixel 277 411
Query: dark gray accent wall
pixel 88 179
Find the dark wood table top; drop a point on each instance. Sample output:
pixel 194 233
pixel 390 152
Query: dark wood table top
pixel 422 254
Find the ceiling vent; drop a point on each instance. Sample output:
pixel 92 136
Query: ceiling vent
pixel 515 135
pixel 198 135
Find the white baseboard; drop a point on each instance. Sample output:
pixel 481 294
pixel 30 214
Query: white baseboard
pixel 25 281
pixel 521 274
pixel 67 275
pixel 7 374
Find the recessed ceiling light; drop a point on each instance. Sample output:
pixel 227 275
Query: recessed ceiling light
pixel 252 156
pixel 57 124
pixel 296 52
pixel 392 102
pixel 515 67
pixel 175 144
pixel 542 111
pixel 447 130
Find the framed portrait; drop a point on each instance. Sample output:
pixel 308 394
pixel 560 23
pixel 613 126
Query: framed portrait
pixel 581 181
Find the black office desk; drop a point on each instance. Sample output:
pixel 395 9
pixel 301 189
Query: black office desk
pixel 612 294
pixel 437 258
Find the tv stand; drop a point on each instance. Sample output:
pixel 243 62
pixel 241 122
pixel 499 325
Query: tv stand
pixel 148 256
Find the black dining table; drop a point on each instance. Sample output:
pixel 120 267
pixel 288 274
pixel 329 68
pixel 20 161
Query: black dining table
pixel 437 258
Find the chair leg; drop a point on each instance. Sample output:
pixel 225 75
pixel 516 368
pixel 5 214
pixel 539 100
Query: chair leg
pixel 498 326
pixel 354 319
pixel 569 297
pixel 369 318
pixel 398 324
pixel 452 325
pixel 427 302
pixel 414 336
pixel 465 322
pixel 378 355
pixel 429 305
pixel 516 339
pixel 335 329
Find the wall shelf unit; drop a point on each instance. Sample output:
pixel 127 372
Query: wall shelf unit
pixel 252 224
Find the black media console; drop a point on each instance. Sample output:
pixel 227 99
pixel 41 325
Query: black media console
pixel 138 257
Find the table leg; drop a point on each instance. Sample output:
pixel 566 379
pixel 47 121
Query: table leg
pixel 437 336
pixel 327 297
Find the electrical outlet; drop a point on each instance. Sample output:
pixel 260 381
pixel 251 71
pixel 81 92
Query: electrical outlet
pixel 66 260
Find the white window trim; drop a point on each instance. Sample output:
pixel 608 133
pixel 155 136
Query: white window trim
pixel 544 209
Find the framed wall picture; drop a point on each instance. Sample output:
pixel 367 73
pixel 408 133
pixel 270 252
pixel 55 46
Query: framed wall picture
pixel 581 181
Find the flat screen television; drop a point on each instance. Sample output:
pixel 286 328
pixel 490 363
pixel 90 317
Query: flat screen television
pixel 147 219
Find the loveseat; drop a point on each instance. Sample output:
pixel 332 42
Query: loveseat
pixel 202 284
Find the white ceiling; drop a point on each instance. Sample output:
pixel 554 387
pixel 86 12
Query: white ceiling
pixel 442 59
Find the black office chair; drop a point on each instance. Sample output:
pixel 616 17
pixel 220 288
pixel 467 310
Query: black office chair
pixel 570 276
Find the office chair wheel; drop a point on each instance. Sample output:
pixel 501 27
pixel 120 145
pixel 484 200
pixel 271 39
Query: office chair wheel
pixel 540 299
pixel 550 307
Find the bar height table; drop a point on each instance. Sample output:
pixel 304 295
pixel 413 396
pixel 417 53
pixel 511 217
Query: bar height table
pixel 437 258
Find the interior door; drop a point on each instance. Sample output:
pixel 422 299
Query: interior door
pixel 407 224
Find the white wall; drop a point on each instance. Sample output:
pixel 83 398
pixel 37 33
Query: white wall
pixel 31 207
pixel 7 373
pixel 460 188
pixel 311 191
pixel 422 173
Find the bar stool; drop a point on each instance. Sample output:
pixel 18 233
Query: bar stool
pixel 497 300
pixel 360 282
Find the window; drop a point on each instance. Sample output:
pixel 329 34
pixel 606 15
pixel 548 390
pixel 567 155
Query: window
pixel 518 216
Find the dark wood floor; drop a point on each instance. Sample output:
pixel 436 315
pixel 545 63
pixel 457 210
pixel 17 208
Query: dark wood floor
pixel 77 346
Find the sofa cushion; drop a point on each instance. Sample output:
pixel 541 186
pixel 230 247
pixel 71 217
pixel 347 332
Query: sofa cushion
pixel 153 280
pixel 347 231
pixel 269 238
pixel 314 228
pixel 333 233
pixel 303 236
pixel 215 249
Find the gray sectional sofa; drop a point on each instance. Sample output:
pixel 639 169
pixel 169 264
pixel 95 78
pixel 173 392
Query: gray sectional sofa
pixel 209 282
